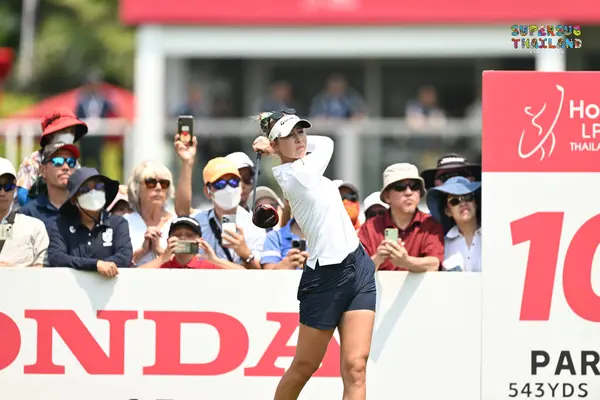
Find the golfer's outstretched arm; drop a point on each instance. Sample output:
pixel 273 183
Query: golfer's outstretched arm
pixel 321 150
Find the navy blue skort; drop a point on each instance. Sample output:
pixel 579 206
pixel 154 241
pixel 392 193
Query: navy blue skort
pixel 327 292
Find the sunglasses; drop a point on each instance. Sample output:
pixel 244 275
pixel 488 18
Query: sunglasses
pixel 350 197
pixel 221 183
pixel 86 189
pixel 447 175
pixel 402 186
pixel 152 182
pixel 374 213
pixel 60 161
pixel 8 186
pixel 454 201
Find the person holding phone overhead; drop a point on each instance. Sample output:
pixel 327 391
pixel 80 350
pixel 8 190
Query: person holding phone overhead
pixel 404 238
pixel 337 288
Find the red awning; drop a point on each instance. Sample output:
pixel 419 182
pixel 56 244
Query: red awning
pixel 122 100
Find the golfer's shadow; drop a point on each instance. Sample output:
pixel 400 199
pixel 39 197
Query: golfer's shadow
pixel 98 288
pixel 393 314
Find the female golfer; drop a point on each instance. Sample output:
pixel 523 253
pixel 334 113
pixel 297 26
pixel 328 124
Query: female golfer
pixel 337 288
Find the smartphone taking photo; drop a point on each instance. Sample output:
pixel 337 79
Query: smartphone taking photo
pixel 391 234
pixel 299 244
pixel 186 247
pixel 6 232
pixel 185 129
pixel 228 224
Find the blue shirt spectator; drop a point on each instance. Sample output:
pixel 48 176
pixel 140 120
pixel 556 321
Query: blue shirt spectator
pixel 338 101
pixel 278 244
pixel 42 209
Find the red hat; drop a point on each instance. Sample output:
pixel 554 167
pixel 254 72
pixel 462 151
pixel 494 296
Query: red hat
pixel 60 119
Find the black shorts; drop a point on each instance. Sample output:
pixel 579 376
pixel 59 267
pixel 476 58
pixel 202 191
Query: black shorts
pixel 327 292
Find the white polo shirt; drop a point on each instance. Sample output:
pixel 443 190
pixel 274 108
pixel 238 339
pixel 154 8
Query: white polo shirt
pixel 458 256
pixel 317 205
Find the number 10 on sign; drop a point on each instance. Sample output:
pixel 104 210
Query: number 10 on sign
pixel 543 231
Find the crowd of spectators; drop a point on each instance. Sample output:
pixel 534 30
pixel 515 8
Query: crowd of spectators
pixel 62 214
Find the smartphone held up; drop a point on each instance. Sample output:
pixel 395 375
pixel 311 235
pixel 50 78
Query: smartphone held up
pixel 186 247
pixel 185 129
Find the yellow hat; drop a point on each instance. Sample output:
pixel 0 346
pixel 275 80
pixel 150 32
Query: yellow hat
pixel 218 167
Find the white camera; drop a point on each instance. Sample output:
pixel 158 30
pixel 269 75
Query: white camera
pixel 6 232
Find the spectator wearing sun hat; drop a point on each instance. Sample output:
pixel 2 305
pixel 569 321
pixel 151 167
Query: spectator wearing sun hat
pixel 60 126
pixel 448 166
pixel 121 205
pixel 457 205
pixel 420 244
pixel 373 206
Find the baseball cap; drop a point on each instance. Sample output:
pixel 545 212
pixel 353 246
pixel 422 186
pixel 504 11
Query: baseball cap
pixel 399 172
pixel 185 221
pixel 51 149
pixel 264 191
pixel 240 159
pixel 6 167
pixel 372 200
pixel 340 183
pixel 283 127
pixel 218 167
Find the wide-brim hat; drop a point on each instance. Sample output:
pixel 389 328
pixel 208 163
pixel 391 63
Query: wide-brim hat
pixel 399 172
pixel 456 186
pixel 82 175
pixel 60 119
pixel 449 162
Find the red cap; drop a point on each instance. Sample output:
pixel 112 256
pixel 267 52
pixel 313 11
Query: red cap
pixel 60 119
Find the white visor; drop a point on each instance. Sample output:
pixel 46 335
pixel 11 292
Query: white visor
pixel 283 127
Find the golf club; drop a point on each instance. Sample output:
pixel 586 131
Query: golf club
pixel 264 216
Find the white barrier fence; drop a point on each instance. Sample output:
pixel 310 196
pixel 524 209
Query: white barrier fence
pixel 183 335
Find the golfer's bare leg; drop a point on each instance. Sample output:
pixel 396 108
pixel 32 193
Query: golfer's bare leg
pixel 356 331
pixel 310 350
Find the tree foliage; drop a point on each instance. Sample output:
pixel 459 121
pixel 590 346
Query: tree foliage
pixel 74 38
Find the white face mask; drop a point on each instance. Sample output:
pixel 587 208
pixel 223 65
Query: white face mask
pixel 93 200
pixel 66 138
pixel 228 198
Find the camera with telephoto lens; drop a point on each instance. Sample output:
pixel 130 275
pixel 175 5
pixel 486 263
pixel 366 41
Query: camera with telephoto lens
pixel 186 247
pixel 299 244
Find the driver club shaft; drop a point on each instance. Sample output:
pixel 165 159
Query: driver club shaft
pixel 257 168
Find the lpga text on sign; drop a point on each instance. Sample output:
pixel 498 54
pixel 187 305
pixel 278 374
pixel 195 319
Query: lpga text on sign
pixel 534 37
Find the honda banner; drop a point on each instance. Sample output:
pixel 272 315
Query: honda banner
pixel 541 279
pixel 189 335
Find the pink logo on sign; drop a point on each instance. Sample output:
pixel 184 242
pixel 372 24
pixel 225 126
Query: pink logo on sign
pixel 549 135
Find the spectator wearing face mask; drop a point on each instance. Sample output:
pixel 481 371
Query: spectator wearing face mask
pixel 58 162
pixel 86 237
pixel 188 229
pixel 246 169
pixel 457 205
pixel 61 126
pixel 27 243
pixel 350 198
pixel 449 166
pixel 222 185
pixel 420 244
pixel 373 206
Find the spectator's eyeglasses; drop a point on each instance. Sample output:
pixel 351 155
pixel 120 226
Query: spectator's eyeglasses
pixel 454 201
pixel 60 161
pixel 373 213
pixel 86 189
pixel 350 197
pixel 402 186
pixel 8 186
pixel 220 184
pixel 447 175
pixel 152 182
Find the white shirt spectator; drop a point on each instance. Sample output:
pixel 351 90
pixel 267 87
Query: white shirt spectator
pixel 255 236
pixel 460 257
pixel 28 245
pixel 137 229
pixel 316 204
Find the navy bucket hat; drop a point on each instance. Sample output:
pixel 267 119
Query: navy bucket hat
pixel 456 186
pixel 79 177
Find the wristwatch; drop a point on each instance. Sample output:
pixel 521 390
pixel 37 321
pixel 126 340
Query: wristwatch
pixel 249 259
